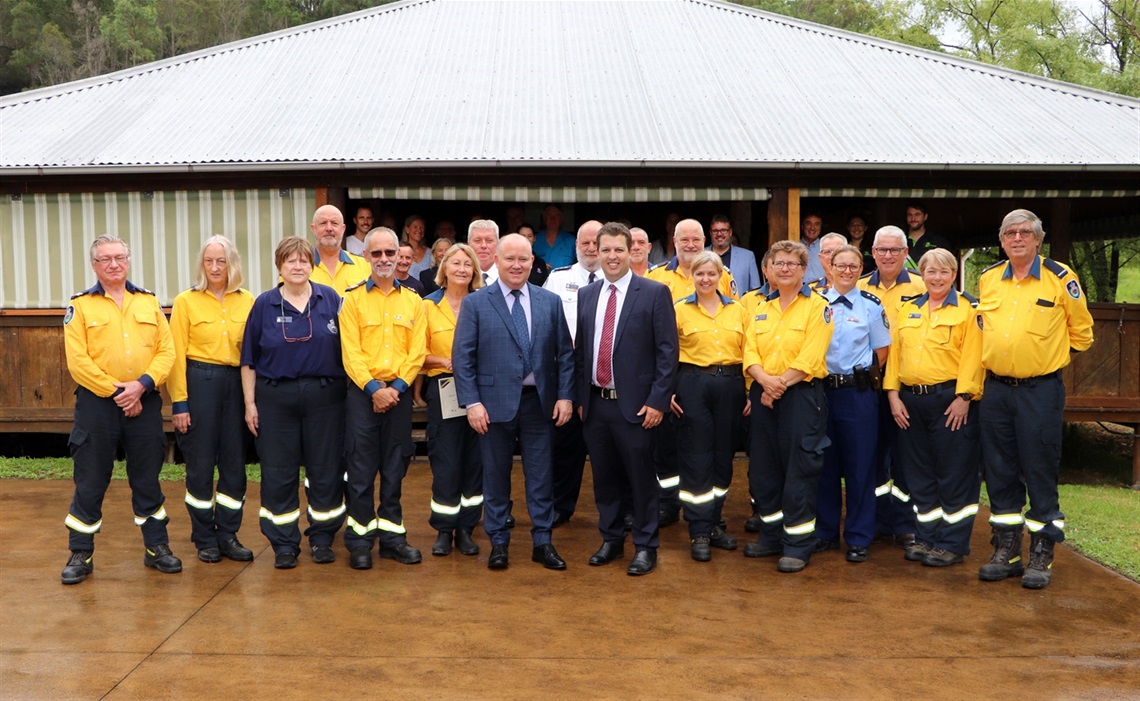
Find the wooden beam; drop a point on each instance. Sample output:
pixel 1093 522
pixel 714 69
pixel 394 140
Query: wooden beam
pixel 777 215
pixel 322 196
pixel 793 214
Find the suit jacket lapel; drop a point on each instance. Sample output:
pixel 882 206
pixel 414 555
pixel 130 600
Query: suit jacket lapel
pixel 627 308
pixel 500 305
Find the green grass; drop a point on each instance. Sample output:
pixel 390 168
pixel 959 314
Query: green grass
pixel 60 468
pixel 1101 523
pixel 1128 285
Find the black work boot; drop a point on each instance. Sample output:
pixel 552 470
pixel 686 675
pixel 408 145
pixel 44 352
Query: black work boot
pixel 1006 560
pixel 160 558
pixel 80 564
pixel 1040 569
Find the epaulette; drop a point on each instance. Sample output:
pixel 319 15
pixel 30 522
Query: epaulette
pixel 436 296
pixel 864 277
pixel 655 267
pixel 77 295
pixel 871 297
pixel 1054 267
pixel 350 288
pixel 1000 262
pixel 906 298
pixel 565 267
pixel 969 298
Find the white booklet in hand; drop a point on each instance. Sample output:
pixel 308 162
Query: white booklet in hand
pixel 448 402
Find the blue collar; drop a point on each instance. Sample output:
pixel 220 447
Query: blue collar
pixel 775 293
pixel 97 288
pixel 370 283
pixel 904 276
pixel 951 299
pixel 692 299
pixel 1034 270
pixel 344 257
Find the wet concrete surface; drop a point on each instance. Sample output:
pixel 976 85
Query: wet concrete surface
pixel 449 628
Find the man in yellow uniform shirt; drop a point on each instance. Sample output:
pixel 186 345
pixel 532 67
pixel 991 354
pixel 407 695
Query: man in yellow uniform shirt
pixel 383 336
pixel 894 285
pixel 119 350
pixel 1032 313
pixel 688 240
pixel 335 266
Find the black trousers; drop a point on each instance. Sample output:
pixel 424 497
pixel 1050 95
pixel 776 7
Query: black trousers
pixel 301 423
pixel 376 444
pixel 665 463
pixel 100 427
pixel 1021 452
pixel 456 467
pixel 569 463
pixel 217 437
pixel 894 512
pixel 785 463
pixel 621 456
pixel 706 442
pixel 943 469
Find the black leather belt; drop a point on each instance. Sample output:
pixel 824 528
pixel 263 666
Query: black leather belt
pixel 737 369
pixel 210 366
pixel 604 392
pixel 838 381
pixel 929 389
pixel 1022 381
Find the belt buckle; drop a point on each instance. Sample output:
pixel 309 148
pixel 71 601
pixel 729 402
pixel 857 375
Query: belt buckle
pixel 607 393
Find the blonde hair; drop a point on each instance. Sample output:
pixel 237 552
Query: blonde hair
pixel 233 264
pixel 938 256
pixel 707 257
pixel 457 249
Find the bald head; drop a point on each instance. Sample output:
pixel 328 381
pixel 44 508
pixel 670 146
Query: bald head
pixel 327 228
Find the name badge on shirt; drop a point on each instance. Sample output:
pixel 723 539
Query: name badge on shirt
pixel 284 320
pixel 761 317
pixel 572 286
pixel 914 316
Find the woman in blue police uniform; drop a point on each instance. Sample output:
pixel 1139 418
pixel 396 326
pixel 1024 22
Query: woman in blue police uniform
pixel 294 385
pixel 453 446
pixel 933 381
pixel 709 402
pixel 208 325
pixel 857 351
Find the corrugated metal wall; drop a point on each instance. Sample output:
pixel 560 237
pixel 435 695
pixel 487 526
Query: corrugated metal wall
pixel 44 238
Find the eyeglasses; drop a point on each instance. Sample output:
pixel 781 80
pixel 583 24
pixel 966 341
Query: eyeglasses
pixel 719 231
pixel 845 267
pixel 106 260
pixel 892 251
pixel 828 253
pixel 308 311
pixel 1023 233
pixel 387 252
pixel 785 264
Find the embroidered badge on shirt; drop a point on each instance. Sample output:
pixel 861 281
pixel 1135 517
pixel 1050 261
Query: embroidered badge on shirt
pixel 827 314
pixel 886 324
pixel 980 322
pixel 1073 289
pixel 332 326
pixel 69 315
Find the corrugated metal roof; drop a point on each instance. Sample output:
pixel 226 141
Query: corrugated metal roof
pixel 608 82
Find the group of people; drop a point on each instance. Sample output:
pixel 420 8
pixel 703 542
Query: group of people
pixel 882 392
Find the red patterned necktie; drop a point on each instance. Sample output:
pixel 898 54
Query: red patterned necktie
pixel 606 346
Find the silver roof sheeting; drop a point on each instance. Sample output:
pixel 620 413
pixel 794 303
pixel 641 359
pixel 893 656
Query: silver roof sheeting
pixel 624 83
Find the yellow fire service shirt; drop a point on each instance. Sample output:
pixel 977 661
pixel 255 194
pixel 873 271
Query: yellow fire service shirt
pixel 1030 325
pixel 350 271
pixel 931 346
pixel 206 330
pixel 908 285
pixel 106 344
pixel 440 328
pixel 705 339
pixel 797 337
pixel 383 337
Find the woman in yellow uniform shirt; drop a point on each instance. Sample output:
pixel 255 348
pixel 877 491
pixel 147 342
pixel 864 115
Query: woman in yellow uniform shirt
pixel 208 324
pixel 453 448
pixel 785 353
pixel 934 377
pixel 709 402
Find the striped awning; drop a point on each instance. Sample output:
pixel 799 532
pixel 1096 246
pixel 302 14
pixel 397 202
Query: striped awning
pixel 563 195
pixel 940 193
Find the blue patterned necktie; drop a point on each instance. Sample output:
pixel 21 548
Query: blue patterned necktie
pixel 518 316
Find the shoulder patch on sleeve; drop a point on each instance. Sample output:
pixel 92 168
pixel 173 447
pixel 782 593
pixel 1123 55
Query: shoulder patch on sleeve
pixel 871 297
pixel 1073 288
pixel 69 315
pixel 886 323
pixel 1055 268
pixel 827 313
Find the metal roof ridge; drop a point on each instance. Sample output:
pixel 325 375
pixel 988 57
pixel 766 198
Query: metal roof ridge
pixel 81 84
pixel 919 52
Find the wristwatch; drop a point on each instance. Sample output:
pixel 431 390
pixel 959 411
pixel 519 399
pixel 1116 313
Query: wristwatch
pixel 965 395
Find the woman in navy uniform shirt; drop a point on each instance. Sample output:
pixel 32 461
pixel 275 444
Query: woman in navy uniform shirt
pixel 294 385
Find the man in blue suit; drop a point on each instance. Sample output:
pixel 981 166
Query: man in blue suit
pixel 514 372
pixel 625 362
pixel 740 261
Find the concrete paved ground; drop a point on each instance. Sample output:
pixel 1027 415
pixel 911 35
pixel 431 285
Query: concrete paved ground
pixel 451 629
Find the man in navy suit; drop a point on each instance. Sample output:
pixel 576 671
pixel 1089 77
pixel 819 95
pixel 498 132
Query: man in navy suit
pixel 625 362
pixel 740 261
pixel 514 372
